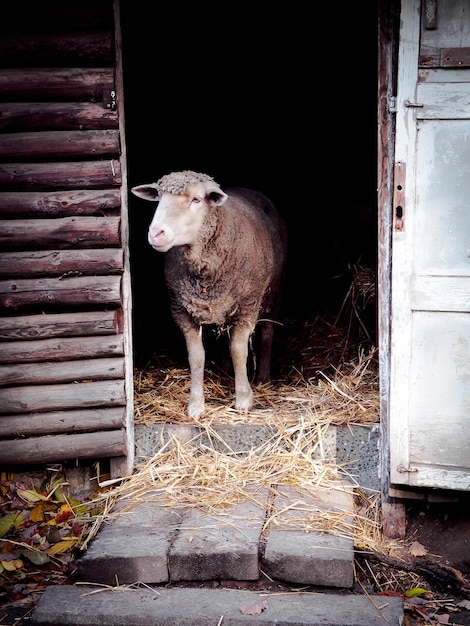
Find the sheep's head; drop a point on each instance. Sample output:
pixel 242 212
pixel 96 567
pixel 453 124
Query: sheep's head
pixel 185 199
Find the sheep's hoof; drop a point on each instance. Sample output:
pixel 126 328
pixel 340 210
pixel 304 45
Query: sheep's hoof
pixel 195 408
pixel 244 401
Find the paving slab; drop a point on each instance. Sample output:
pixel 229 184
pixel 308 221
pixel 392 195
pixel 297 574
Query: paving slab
pixel 220 546
pixel 295 552
pixel 132 547
pixel 73 605
pixel 153 544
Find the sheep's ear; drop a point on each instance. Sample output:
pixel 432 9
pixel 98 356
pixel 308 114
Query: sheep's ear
pixel 147 192
pixel 215 194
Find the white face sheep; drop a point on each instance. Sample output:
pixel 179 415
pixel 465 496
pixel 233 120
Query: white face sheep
pixel 225 257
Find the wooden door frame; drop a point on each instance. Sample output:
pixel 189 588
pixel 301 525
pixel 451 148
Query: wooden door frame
pixel 393 511
pixel 124 466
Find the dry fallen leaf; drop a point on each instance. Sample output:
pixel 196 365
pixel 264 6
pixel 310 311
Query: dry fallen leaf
pixel 255 609
pixel 417 549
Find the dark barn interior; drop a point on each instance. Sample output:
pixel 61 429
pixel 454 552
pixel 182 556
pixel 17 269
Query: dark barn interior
pixel 284 102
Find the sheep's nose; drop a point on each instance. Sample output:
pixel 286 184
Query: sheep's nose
pixel 157 233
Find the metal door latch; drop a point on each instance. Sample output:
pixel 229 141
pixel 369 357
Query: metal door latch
pixel 406 470
pixel 413 105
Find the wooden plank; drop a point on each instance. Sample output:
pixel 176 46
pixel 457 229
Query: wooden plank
pixel 56 448
pixel 124 465
pixel 43 49
pixel 86 15
pixel 49 176
pixel 440 477
pixel 61 262
pixel 50 84
pixel 71 291
pixel 57 422
pixel 406 493
pixel 440 293
pixel 402 245
pixel 62 396
pixel 61 349
pixel 69 371
pixel 443 100
pixel 45 326
pixel 392 512
pixel 64 232
pixel 440 403
pixel 386 150
pixel 393 519
pixel 439 75
pixel 21 116
pixel 59 144
pixel 23 204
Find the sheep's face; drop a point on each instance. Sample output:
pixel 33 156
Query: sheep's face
pixel 179 217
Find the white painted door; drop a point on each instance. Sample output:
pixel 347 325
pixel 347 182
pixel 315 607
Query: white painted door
pixel 430 306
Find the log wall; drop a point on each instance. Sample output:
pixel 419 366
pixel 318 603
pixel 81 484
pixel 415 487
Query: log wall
pixel 65 356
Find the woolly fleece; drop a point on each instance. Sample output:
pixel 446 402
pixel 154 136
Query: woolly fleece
pixel 177 182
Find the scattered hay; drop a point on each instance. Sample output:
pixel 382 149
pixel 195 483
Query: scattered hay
pixel 202 476
pixel 325 380
pixel 346 394
pixel 328 373
pixel 185 474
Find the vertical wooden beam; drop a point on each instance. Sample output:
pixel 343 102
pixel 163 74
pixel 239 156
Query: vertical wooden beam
pixel 393 512
pixel 124 466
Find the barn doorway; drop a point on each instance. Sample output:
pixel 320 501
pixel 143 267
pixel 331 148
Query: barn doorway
pixel 257 100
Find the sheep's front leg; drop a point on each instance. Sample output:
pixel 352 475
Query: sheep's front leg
pixel 239 353
pixel 196 358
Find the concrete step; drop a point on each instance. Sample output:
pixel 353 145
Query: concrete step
pixel 152 544
pixel 74 605
pixel 354 446
pixel 156 566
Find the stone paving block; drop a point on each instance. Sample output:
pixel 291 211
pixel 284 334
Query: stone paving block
pixel 68 605
pixel 222 546
pixel 297 555
pixel 133 547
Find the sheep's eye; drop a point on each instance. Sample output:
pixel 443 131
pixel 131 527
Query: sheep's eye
pixel 196 199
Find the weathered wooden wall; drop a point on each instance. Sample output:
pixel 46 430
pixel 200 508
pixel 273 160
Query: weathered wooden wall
pixel 65 389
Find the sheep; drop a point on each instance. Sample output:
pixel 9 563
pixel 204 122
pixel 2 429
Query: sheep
pixel 224 266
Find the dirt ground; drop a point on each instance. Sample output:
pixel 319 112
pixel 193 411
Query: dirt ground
pixel 443 530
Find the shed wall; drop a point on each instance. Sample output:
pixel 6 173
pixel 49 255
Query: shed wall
pixel 65 354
